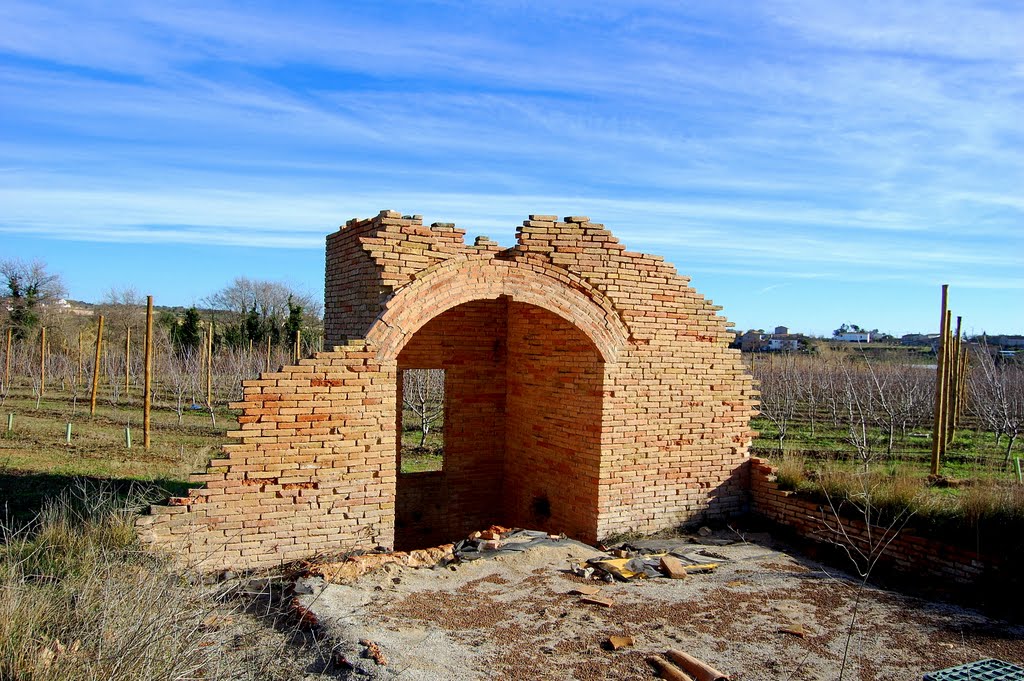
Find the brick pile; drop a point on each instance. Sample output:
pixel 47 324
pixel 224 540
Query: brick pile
pixel 589 390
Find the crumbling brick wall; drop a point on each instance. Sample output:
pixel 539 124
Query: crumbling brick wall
pixel 906 550
pixel 590 390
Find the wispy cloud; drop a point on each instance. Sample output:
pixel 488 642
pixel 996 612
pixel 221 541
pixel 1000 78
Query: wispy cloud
pixel 819 140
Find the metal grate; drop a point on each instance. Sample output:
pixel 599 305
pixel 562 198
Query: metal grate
pixel 982 670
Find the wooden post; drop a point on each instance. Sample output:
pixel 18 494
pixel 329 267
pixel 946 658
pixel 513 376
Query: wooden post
pixel 947 376
pixel 127 357
pixel 147 380
pixel 7 358
pixel 954 390
pixel 962 398
pixel 209 367
pixel 939 396
pixel 298 345
pixel 96 368
pixel 42 361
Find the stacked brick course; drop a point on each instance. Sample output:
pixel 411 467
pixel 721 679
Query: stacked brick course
pixel 590 391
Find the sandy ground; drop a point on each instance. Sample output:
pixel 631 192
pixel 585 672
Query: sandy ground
pixel 512 617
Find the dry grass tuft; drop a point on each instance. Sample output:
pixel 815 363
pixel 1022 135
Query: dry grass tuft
pixel 80 600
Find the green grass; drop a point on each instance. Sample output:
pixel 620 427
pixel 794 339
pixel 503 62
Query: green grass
pixel 414 457
pixel 36 463
pixel 949 509
pixel 972 454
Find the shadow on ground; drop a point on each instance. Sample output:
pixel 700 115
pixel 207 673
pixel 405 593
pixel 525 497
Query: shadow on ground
pixel 23 494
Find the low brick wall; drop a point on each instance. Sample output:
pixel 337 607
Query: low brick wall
pixel 908 554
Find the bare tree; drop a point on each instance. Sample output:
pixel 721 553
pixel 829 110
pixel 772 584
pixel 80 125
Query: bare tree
pixel 997 396
pixel 181 373
pixel 423 394
pixel 780 392
pixel 268 298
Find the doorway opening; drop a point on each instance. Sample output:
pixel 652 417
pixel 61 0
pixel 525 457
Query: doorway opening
pixel 520 425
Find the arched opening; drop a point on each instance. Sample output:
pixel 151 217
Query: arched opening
pixel 522 424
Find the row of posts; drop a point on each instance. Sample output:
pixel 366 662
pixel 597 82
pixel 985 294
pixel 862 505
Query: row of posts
pixel 950 383
pixel 148 378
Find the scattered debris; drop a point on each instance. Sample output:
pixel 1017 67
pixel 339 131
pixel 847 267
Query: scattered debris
pixel 701 567
pixel 585 590
pixel 673 567
pixel 357 564
pixel 705 531
pixel 700 670
pixel 497 540
pixel 598 600
pixel 794 629
pixel 667 670
pixel 340 661
pixel 373 652
pixel 617 642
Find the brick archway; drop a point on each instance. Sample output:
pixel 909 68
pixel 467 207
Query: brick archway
pixel 656 433
pixel 522 424
pixel 458 282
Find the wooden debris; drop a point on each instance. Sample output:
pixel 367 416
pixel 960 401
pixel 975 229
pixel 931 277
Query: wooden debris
pixel 667 670
pixel 673 568
pixel 585 590
pixel 617 642
pixel 794 629
pixel 703 567
pixel 598 600
pixel 700 670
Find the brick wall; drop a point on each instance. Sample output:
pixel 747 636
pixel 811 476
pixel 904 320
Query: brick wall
pixel 595 394
pixel 553 425
pixel 909 553
pixel 311 468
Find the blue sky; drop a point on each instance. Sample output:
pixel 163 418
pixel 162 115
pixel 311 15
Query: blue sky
pixel 807 162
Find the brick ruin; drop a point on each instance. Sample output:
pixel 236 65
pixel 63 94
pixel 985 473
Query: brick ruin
pixel 589 390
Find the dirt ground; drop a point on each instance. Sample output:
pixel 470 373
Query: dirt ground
pixel 512 616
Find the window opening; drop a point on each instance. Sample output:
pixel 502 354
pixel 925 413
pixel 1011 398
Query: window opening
pixel 423 417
